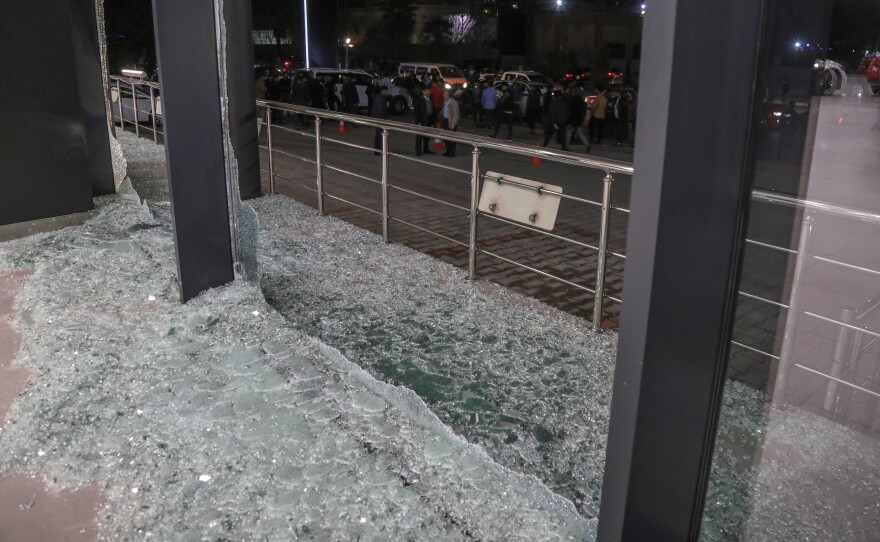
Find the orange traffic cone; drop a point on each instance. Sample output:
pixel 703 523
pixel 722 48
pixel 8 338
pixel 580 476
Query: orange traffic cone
pixel 536 160
pixel 438 145
pixel 342 127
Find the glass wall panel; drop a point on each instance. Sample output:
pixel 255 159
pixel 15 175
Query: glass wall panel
pixel 797 454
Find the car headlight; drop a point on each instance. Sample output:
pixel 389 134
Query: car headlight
pixel 448 86
pixel 815 64
pixel 777 113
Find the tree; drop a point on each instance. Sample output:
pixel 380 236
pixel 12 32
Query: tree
pixel 462 25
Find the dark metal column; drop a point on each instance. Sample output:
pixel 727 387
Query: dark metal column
pixel 84 28
pixel 239 45
pixel 43 159
pixel 186 46
pixel 689 202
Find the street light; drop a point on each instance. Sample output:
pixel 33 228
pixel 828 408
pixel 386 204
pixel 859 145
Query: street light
pixel 347 45
pixel 306 25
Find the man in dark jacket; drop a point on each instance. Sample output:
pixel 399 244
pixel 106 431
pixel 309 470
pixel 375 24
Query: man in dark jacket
pixel 372 92
pixel 577 114
pixel 423 109
pixel 533 108
pixel 350 96
pixel 556 119
pixel 300 96
pixel 316 90
pixel 504 111
pixel 380 111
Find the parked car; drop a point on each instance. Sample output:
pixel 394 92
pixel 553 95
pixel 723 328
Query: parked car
pixel 524 89
pixel 527 76
pixel 451 77
pixel 400 99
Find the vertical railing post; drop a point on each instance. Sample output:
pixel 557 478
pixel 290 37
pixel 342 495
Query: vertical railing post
pixel 385 185
pixel 599 299
pixel 794 309
pixel 153 114
pixel 319 165
pixel 119 99
pixel 475 202
pixel 134 101
pixel 842 345
pixel 271 151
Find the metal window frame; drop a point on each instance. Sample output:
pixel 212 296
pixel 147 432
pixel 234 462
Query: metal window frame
pixel 689 203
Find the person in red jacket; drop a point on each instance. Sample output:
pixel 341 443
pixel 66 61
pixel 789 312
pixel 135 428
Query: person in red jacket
pixel 436 94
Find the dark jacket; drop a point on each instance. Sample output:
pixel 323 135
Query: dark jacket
pixel 300 94
pixel 505 102
pixel 422 108
pixel 350 94
pixel 577 111
pixel 316 90
pixel 380 107
pixel 558 114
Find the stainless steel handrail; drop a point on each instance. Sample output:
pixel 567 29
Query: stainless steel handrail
pixel 479 144
pixel 484 142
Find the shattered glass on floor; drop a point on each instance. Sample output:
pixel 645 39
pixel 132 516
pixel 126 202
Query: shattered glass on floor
pixel 224 419
pixel 219 420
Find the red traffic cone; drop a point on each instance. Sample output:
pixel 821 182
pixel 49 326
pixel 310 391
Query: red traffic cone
pixel 438 145
pixel 536 160
pixel 342 127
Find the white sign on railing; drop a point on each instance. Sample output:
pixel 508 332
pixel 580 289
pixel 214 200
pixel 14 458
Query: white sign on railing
pixel 520 200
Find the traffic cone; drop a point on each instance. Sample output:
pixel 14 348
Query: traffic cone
pixel 438 145
pixel 342 127
pixel 536 160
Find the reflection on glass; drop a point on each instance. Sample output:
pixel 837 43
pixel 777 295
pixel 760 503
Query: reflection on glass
pixel 797 455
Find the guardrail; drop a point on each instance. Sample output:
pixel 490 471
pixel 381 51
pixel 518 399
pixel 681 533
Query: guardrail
pixel 475 174
pixel 853 324
pixel 138 91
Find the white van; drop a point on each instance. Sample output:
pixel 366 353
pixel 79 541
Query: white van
pixel 453 78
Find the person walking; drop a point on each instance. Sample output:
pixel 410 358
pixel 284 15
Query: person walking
pixel 316 89
pixel 436 90
pixel 451 117
pixel 372 92
pixel 620 117
pixel 423 109
pixel 380 111
pixel 489 101
pixel 476 91
pixel 596 126
pixel 577 114
pixel 556 118
pixel 504 111
pixel 350 97
pixel 533 108
pixel 300 96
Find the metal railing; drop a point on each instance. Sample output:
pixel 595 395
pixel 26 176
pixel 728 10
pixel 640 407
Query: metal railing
pixel 853 325
pixel 140 91
pixel 475 174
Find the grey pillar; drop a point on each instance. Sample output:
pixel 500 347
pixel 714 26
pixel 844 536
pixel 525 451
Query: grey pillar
pixel 690 194
pixel 86 49
pixel 239 49
pixel 45 158
pixel 195 143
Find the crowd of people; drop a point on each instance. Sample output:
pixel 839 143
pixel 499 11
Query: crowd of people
pixel 567 114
